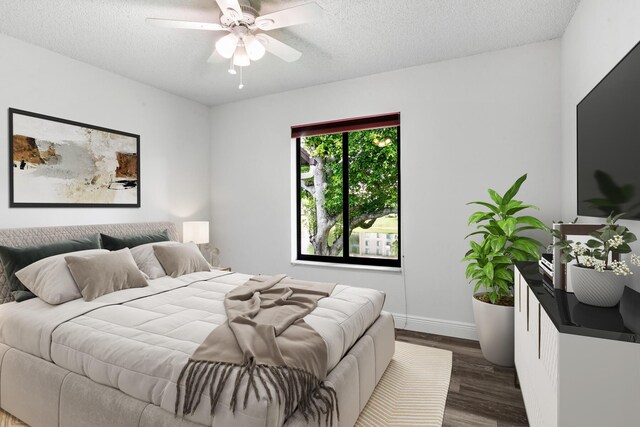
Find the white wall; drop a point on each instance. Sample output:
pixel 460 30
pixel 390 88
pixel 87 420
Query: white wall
pixel 467 124
pixel 599 35
pixel 174 144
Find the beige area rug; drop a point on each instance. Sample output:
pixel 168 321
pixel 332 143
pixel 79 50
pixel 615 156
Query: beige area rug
pixel 412 391
pixel 7 420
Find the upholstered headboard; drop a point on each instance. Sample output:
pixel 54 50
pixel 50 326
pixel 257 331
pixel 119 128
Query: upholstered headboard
pixel 17 237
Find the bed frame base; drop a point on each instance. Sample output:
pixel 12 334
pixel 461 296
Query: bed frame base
pixel 43 394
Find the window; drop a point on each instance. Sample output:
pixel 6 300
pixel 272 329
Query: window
pixel 348 190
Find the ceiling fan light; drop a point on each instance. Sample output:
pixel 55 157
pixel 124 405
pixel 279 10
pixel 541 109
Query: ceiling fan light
pixel 240 58
pixel 226 46
pixel 255 49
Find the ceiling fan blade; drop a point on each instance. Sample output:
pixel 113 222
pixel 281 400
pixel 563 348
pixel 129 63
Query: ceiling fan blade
pixel 288 17
pixel 189 25
pixel 279 49
pixel 231 9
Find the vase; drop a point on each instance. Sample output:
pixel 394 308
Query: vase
pixel 599 288
pixel 494 324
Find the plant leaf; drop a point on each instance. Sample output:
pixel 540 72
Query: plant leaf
pixel 566 258
pixel 520 208
pixel 501 259
pixel 495 196
pixel 525 228
pixel 623 249
pixel 511 192
pixel 607 234
pixel 475 233
pixel 470 269
pixel 488 271
pixel 593 243
pixel 478 216
pixel 532 221
pixel 617 217
pixel 493 297
pixel 527 247
pixel 530 240
pixel 504 274
pixel 520 255
pixel 489 206
pixel 493 229
pixel 556 233
pixel 508 225
pixel 477 274
pixel 497 243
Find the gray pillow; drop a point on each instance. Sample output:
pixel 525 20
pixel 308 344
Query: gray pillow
pixel 14 259
pixel 146 260
pixel 178 260
pixel 105 273
pixel 50 278
pixel 115 243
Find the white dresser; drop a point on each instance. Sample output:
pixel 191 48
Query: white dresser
pixel 578 365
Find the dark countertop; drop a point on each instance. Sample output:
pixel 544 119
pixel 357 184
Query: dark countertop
pixel 620 323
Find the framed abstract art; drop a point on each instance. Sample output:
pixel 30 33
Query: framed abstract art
pixel 61 163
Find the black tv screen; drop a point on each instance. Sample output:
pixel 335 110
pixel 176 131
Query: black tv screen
pixel 609 143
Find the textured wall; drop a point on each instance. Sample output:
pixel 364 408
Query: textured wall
pixel 466 125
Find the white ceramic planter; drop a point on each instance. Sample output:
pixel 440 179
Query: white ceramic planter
pixel 599 288
pixel 494 324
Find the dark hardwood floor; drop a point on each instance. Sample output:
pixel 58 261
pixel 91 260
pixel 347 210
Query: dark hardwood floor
pixel 480 393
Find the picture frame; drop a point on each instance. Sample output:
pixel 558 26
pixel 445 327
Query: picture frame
pixel 55 162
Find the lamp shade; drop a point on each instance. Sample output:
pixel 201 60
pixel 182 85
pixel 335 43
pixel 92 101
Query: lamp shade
pixel 254 48
pixel 240 58
pixel 195 231
pixel 226 46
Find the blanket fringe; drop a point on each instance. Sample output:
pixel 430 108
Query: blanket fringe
pixel 294 388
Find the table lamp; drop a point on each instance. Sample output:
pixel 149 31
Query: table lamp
pixel 198 233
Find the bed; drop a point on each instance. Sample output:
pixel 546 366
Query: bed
pixel 115 361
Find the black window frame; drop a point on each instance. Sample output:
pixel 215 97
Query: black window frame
pixel 345 127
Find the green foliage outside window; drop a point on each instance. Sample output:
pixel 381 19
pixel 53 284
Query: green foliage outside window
pixel 373 186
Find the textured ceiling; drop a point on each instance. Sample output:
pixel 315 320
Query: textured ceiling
pixel 354 38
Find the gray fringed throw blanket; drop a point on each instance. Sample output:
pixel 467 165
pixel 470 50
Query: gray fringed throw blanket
pixel 266 341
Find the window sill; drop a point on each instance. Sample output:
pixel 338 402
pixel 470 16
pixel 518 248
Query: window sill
pixel 347 266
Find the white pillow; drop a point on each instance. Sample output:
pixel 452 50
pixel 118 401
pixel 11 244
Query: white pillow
pixel 146 259
pixel 50 278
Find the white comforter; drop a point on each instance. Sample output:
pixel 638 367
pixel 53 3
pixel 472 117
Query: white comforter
pixel 138 340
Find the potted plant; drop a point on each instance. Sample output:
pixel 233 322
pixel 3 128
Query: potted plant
pixel 490 267
pixel 598 275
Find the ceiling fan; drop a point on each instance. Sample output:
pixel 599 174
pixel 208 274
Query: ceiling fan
pixel 246 40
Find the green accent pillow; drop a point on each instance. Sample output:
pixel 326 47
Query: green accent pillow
pixel 15 259
pixel 113 243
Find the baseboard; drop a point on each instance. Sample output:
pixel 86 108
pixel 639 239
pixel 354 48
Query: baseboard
pixel 448 328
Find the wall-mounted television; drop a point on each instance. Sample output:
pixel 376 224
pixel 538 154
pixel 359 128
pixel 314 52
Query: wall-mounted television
pixel 609 143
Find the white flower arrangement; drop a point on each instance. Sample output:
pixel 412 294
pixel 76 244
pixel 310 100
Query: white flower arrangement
pixel 595 254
